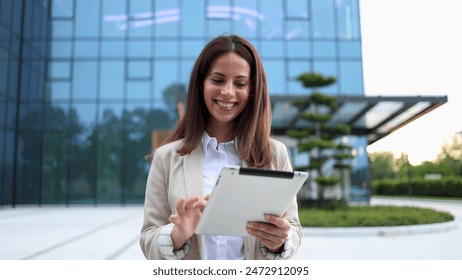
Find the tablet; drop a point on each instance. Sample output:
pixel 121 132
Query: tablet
pixel 242 195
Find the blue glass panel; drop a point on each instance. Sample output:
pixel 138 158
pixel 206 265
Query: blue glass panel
pixel 274 48
pixel 351 77
pixel 166 48
pixel 109 162
pixel 165 73
pixel 217 27
pixel 348 19
pixel 323 19
pixel 54 167
pixel 36 49
pixel 59 90
pixel 2 117
pixel 112 49
pixel 115 18
pixel 62 8
pixel 249 18
pixel 297 29
pixel 10 113
pixel 139 48
pixel 275 75
pixel 324 50
pixel 87 18
pixel 141 18
pixel 191 49
pixel 297 67
pixel 192 19
pixel 30 116
pixel 273 19
pixel 3 71
pixel 59 70
pixel 112 79
pixel 299 49
pixel 5 12
pixel 56 116
pixel 25 82
pixel 61 49
pixel 186 68
pixel 16 16
pixel 4 39
pixel 297 9
pixel 85 48
pixel 13 67
pixel 327 68
pixel 110 115
pixel 138 90
pixel 7 181
pixel 86 114
pixel 167 18
pixel 350 49
pixel 84 80
pixel 139 69
pixel 61 28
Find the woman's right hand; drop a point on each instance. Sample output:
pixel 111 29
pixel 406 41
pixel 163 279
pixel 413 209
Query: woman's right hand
pixel 185 219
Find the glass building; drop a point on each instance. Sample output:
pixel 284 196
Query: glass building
pixel 83 83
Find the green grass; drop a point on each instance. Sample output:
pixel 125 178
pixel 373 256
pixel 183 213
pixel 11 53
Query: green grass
pixel 371 216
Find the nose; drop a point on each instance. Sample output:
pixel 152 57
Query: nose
pixel 227 89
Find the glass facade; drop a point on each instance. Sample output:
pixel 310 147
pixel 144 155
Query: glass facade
pixel 84 83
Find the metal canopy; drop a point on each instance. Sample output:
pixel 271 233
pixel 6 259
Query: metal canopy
pixel 371 116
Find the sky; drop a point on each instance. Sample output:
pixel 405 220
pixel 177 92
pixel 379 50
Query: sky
pixel 410 48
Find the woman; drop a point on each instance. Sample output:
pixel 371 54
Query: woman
pixel 227 122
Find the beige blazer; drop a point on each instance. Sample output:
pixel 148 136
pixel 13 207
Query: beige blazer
pixel 172 176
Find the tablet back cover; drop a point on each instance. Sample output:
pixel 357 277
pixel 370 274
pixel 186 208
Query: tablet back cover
pixel 242 195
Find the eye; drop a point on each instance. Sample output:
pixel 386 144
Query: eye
pixel 217 81
pixel 241 85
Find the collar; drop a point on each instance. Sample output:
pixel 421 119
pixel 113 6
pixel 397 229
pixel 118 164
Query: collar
pixel 212 142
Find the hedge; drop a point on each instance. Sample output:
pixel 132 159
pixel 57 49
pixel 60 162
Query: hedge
pixel 446 187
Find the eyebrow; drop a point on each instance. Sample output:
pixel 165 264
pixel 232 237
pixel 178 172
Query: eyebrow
pixel 222 75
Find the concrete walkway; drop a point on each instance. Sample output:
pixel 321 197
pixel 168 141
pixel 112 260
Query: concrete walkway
pixel 112 232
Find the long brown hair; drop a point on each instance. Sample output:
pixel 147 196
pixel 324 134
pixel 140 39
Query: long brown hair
pixel 252 127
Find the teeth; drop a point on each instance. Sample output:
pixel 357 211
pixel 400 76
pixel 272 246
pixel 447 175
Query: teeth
pixel 226 105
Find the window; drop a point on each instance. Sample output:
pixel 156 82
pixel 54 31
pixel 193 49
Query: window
pixel 112 79
pixel 62 9
pixel 59 70
pixel 139 69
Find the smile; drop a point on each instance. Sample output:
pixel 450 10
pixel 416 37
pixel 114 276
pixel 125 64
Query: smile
pixel 225 104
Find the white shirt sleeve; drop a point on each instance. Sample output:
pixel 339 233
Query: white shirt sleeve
pixel 286 252
pixel 166 244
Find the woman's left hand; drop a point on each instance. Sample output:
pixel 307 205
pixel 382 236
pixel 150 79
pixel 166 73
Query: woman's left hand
pixel 273 234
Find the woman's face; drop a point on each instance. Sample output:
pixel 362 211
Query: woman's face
pixel 227 88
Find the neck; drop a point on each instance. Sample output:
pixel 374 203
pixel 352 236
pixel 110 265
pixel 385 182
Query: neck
pixel 223 133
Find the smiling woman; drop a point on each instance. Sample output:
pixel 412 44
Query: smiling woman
pixel 226 122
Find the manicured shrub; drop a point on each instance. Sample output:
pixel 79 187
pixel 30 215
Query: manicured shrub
pixel 445 187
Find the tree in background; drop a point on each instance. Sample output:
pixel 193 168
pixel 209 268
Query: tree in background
pixel 448 163
pixel 451 155
pixel 318 138
pixel 383 165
